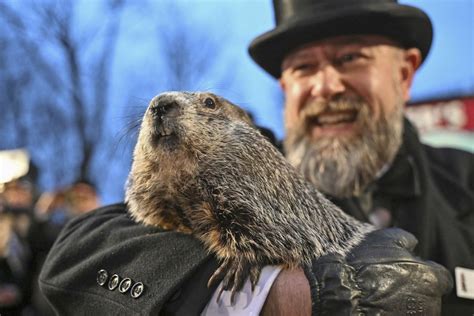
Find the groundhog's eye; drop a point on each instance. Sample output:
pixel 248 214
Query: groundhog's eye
pixel 209 103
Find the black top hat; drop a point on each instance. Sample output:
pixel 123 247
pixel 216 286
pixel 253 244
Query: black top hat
pixel 302 21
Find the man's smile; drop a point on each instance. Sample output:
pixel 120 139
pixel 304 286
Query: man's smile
pixel 332 122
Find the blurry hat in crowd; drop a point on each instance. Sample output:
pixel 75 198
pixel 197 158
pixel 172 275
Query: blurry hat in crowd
pixel 82 197
pixel 300 22
pixel 18 176
pixel 14 164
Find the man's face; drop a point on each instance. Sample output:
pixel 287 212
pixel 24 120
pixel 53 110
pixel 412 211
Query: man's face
pixel 343 112
pixel 18 194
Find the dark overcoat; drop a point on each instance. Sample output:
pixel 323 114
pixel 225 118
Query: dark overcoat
pixel 429 193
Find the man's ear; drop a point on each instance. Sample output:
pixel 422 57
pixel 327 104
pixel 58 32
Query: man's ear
pixel 410 63
pixel 282 83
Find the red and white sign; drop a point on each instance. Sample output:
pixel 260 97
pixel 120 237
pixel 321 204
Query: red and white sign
pixel 454 115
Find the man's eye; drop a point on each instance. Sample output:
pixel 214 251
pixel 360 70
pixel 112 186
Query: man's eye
pixel 348 58
pixel 302 69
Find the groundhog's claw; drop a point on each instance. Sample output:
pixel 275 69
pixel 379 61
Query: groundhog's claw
pixel 233 274
pixel 218 275
pixel 254 276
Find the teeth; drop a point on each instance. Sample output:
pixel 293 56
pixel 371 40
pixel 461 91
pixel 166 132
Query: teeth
pixel 334 118
pixel 163 130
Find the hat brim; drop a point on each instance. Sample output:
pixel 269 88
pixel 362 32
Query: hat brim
pixel 407 25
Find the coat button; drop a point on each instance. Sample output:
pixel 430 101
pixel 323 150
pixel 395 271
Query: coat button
pixel 137 290
pixel 102 277
pixel 114 282
pixel 125 285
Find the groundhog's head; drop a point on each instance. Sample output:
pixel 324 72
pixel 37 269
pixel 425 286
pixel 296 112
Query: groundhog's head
pixel 180 133
pixel 184 120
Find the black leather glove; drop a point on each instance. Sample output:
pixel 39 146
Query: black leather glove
pixel 379 277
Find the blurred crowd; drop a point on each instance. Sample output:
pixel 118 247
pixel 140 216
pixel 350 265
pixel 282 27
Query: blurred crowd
pixel 30 221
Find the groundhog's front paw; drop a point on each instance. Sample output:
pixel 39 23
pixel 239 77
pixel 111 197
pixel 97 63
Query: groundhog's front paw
pixel 233 273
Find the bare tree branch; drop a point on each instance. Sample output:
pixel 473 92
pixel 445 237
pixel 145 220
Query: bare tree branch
pixel 68 83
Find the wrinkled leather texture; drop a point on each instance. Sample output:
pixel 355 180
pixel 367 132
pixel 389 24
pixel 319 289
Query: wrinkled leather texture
pixel 380 276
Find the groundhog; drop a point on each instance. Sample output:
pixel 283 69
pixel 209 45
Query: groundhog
pixel 201 167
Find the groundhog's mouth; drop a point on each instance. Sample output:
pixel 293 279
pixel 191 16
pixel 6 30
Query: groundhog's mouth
pixel 167 141
pixel 165 133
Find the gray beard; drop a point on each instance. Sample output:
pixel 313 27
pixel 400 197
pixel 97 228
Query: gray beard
pixel 345 166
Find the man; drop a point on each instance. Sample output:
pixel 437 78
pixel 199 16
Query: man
pixel 346 68
pixel 118 267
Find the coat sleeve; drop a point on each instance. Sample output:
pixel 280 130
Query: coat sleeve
pixel 105 264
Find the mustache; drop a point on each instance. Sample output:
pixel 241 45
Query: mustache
pixel 312 109
pixel 341 103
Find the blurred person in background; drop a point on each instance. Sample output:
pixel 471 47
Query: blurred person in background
pixel 52 211
pixel 61 205
pixel 28 228
pixel 17 195
pixel 81 197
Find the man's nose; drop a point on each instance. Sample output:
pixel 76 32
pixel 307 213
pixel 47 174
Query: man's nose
pixel 326 83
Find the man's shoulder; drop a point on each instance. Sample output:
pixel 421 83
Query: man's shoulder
pixel 451 163
pixel 101 251
pixel 447 156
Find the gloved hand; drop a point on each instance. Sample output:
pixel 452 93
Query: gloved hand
pixel 381 276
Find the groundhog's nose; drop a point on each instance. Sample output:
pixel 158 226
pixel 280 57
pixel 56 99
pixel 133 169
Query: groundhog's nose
pixel 163 107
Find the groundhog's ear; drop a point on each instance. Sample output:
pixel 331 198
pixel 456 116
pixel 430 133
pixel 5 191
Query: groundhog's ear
pixel 246 117
pixel 239 113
